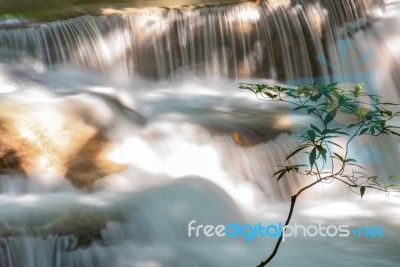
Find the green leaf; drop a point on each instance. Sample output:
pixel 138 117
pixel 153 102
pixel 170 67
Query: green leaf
pixel 352 125
pixel 359 86
pixel 300 107
pixel 311 110
pixel 357 165
pixel 336 130
pixel 330 136
pixel 394 133
pixel 363 131
pixel 361 112
pixel 372 130
pixel 260 87
pixel 357 89
pixel 270 95
pixel 277 172
pixel 281 175
pixel 330 116
pixel 343 100
pixel 249 87
pixel 350 160
pixel 294 152
pixel 394 177
pixel 362 191
pixel 298 165
pixel 336 144
pixel 299 90
pixel 315 98
pixel 322 151
pixel 331 86
pixel 311 135
pixel 387 112
pixel 330 99
pixel 339 157
pixel 315 128
pixel 313 157
pixel 389 104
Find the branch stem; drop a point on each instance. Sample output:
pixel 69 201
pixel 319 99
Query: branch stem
pixel 292 205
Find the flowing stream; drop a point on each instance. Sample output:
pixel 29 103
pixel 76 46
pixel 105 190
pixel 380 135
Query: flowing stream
pixel 118 130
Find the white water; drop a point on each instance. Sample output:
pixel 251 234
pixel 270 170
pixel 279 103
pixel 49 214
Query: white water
pixel 167 132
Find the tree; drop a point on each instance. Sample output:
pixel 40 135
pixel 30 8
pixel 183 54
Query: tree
pixel 365 113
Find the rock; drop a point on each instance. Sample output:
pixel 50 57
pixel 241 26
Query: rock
pixel 90 162
pixel 82 223
pixel 52 140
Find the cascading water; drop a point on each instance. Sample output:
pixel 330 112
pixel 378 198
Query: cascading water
pixel 276 39
pixel 112 125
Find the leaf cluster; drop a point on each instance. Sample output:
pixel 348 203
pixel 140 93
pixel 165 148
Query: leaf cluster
pixel 363 114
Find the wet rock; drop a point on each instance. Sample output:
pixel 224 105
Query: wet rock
pixel 52 140
pixel 11 162
pixel 90 162
pixel 85 225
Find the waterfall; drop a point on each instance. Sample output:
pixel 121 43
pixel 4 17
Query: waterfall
pixel 275 39
pixel 116 130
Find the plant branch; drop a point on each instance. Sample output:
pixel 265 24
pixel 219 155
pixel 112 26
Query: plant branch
pixel 289 217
